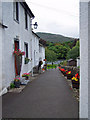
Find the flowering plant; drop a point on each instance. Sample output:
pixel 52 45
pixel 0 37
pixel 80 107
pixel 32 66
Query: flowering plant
pixel 62 69
pixel 17 79
pixel 44 60
pixel 18 52
pixel 25 74
pixel 76 78
pixel 68 72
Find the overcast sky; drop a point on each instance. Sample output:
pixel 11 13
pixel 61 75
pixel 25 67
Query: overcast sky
pixel 56 16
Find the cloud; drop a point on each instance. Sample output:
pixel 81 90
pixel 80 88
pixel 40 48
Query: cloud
pixel 57 16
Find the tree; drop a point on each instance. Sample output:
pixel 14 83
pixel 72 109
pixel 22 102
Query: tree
pixel 74 52
pixel 50 55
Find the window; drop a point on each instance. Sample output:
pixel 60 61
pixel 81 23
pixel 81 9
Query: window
pixel 16 11
pixel 26 20
pixel 26 50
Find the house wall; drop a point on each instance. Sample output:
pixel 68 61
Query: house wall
pixel 78 62
pixel 89 60
pixel 14 30
pixel 35 50
pixel 1 29
pixel 42 54
pixel 84 61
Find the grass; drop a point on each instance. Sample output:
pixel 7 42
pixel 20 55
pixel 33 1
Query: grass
pixel 49 66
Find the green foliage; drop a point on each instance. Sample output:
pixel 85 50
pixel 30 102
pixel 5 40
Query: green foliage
pixel 50 55
pixel 74 52
pixel 64 63
pixel 60 50
pixel 49 66
pixel 12 85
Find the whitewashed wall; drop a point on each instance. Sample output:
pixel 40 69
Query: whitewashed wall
pixel 14 30
pixel 35 50
pixel 1 29
pixel 84 60
pixel 42 54
pixel 78 62
pixel 89 60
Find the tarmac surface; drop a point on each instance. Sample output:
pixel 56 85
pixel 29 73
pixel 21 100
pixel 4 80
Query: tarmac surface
pixel 48 96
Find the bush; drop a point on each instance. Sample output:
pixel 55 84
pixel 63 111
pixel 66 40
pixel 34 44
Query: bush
pixel 64 63
pixel 51 66
pixel 12 85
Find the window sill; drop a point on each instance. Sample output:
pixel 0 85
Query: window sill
pixel 26 28
pixel 16 21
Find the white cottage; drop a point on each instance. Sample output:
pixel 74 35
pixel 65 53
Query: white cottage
pixel 17 34
pixel 42 44
pixel 38 51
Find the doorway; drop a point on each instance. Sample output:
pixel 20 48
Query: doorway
pixel 18 59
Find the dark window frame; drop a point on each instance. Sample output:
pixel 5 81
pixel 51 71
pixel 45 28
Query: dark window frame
pixel 16 11
pixel 26 47
pixel 26 20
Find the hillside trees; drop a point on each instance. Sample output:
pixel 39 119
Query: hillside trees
pixel 50 55
pixel 74 52
pixel 65 50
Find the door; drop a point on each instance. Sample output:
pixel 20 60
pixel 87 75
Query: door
pixel 16 43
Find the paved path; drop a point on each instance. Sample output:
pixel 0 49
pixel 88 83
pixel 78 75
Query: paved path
pixel 49 96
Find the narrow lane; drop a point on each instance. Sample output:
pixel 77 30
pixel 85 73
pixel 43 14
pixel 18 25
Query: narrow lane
pixel 49 96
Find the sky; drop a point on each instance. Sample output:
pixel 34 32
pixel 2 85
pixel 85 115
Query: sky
pixel 56 16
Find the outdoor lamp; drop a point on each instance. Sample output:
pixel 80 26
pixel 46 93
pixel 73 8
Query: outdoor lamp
pixel 35 25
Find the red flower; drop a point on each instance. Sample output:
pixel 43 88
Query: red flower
pixel 62 69
pixel 77 76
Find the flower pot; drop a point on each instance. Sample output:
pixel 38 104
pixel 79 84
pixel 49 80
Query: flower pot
pixel 75 84
pixel 27 77
pixel 69 76
pixel 17 84
pixel 64 73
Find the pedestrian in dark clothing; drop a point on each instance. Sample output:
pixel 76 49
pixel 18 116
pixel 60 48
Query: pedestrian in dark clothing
pixel 39 66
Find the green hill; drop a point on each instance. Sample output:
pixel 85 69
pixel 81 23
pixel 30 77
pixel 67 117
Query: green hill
pixel 54 37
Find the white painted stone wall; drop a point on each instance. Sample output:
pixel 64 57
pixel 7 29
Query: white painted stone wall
pixel 0 60
pixel 35 50
pixel 84 60
pixel 89 60
pixel 42 54
pixel 14 29
pixel 78 62
pixel 1 29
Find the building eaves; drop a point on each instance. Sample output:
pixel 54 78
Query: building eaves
pixel 26 7
pixel 35 34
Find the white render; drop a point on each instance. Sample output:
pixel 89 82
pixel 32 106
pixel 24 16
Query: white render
pixel 84 60
pixel 17 30
pixel 78 62
pixel 38 51
pixel 42 54
pixel 1 29
pixel 35 50
pixel 14 31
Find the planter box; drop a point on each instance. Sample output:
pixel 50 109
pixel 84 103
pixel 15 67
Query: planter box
pixel 17 84
pixel 64 73
pixel 69 76
pixel 75 84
